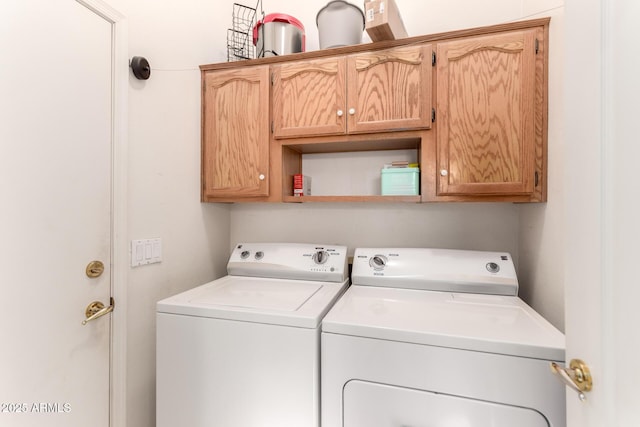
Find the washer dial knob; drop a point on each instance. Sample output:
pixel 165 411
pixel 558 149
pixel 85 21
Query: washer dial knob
pixel 244 254
pixel 378 262
pixel 320 257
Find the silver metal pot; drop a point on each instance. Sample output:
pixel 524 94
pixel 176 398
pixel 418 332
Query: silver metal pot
pixel 278 34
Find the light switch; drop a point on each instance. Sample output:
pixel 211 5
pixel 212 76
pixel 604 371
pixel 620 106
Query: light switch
pixel 157 248
pixel 146 251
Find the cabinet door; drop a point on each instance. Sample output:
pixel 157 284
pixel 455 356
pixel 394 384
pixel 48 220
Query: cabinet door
pixel 389 90
pixel 235 133
pixel 309 98
pixel 486 115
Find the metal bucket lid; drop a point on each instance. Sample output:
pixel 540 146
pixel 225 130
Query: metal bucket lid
pixel 337 5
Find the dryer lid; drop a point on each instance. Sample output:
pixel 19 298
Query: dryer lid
pixel 486 323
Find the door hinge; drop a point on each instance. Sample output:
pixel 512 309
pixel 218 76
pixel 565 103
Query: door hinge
pixel 271 126
pixel 536 179
pixel 433 59
pixel 272 79
pixel 537 46
pixel 433 115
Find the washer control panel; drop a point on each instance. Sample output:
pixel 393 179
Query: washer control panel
pixel 436 269
pixel 289 261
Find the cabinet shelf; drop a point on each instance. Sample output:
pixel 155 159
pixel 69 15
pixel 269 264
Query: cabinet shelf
pixel 374 142
pixel 348 199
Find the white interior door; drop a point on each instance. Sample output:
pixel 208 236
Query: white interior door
pixel 55 187
pixel 603 211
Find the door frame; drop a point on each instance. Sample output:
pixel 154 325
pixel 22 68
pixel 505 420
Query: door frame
pixel 595 283
pixel 119 245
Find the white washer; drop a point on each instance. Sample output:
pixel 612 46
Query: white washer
pixel 244 350
pixel 428 337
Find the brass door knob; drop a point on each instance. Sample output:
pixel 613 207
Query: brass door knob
pixel 97 309
pixel 577 376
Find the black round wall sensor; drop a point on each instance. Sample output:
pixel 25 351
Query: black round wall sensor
pixel 141 68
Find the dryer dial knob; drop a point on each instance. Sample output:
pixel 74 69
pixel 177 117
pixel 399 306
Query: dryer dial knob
pixel 244 254
pixel 320 257
pixel 492 267
pixel 378 262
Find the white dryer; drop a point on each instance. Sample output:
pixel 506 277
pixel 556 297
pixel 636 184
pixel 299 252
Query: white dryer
pixel 244 350
pixel 428 337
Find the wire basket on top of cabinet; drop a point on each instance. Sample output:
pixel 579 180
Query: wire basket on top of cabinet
pixel 240 36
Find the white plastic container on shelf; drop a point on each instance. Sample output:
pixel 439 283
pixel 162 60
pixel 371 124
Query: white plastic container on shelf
pixel 340 24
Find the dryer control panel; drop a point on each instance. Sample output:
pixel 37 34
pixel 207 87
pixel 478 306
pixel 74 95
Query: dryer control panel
pixel 436 269
pixel 301 261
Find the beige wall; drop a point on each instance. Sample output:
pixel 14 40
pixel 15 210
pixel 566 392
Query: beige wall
pixel 164 176
pixel 541 242
pixel 164 143
pixel 460 226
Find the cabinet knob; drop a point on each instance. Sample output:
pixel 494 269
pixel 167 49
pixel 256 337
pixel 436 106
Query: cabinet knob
pixel 261 177
pixel 340 113
pixel 352 111
pixel 444 172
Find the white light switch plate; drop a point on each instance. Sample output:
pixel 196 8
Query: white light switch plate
pixel 146 251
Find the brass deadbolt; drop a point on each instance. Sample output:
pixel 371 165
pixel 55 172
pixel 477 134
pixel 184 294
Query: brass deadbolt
pixel 95 269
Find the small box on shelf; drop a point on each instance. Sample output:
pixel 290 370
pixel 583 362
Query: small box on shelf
pixel 301 185
pixel 383 20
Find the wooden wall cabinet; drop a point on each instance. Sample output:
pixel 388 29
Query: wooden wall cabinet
pixel 489 137
pixel 379 91
pixel 309 98
pixel 486 141
pixel 235 134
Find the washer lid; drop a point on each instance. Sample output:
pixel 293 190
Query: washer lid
pixel 298 303
pixel 246 293
pixel 487 323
